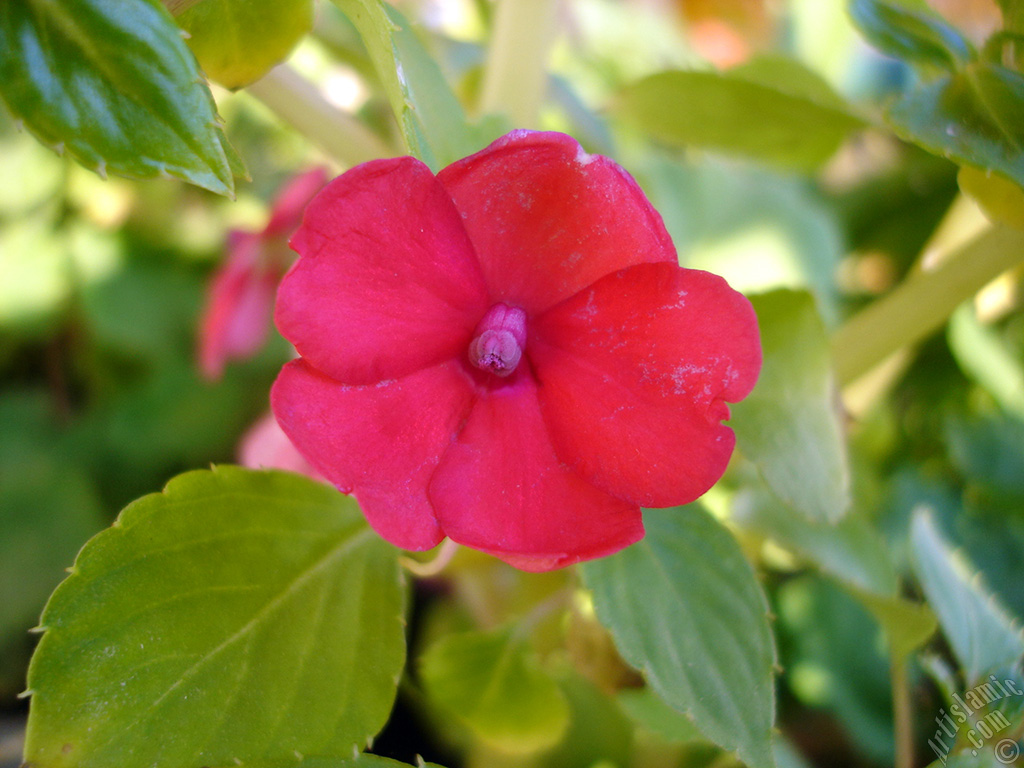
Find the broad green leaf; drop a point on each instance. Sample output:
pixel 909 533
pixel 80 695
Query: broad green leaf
pixel 1000 198
pixel 238 41
pixel 429 114
pixel 685 608
pixel 599 733
pixel 987 359
pixel 237 616
pixel 789 425
pixel 850 551
pixel 773 111
pixel 980 631
pixel 909 29
pixel 908 625
pixel 647 709
pixel 114 86
pixel 973 116
pixel 488 681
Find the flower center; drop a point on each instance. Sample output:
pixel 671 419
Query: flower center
pixel 499 339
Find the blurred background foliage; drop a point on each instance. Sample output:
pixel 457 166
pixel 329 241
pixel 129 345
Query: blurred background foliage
pixel 101 401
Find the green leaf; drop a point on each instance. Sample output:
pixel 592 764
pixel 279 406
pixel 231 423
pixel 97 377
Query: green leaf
pixel 239 41
pixel 853 553
pixel 430 116
pixel 237 616
pixel 788 426
pixel 909 29
pixel 685 608
pixel 599 734
pixel 488 681
pixel 1000 198
pixel 113 85
pixel 362 761
pixel 774 110
pixel 980 631
pixel 987 359
pixel 974 116
pixel 647 709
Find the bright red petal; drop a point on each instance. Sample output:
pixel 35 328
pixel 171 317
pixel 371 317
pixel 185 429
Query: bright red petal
pixel 387 282
pixel 634 375
pixel 500 488
pixel 547 219
pixel 380 442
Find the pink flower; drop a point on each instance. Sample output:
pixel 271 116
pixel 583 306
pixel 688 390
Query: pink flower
pixel 266 446
pixel 508 353
pixel 237 314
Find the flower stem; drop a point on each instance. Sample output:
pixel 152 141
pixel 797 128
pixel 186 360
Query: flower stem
pixel 515 78
pixel 299 103
pixel 922 302
pixel 903 714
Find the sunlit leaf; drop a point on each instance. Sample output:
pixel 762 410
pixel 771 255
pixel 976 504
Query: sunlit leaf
pixel 789 425
pixel 488 681
pixel 685 608
pixel 238 615
pixel 981 632
pixel 114 86
pixel 987 359
pixel 775 111
pixel 238 41
pixel 429 114
pixel 1000 198
pixel 599 733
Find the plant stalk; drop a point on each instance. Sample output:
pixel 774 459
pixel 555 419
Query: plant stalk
pixel 922 302
pixel 516 78
pixel 299 103
pixel 902 713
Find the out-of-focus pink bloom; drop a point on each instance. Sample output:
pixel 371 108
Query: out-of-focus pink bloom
pixel 507 353
pixel 236 317
pixel 266 446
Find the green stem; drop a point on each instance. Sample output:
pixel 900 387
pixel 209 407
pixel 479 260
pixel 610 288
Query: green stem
pixel 903 713
pixel 299 103
pixel 923 302
pixel 516 75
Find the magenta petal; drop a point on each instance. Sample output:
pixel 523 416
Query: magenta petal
pixel 547 219
pixel 500 488
pixel 266 446
pixel 387 282
pixel 236 318
pixel 381 442
pixel 286 213
pixel 635 373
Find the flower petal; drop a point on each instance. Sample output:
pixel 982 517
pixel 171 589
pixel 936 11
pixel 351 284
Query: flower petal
pixel 501 489
pixel 286 213
pixel 266 446
pixel 236 318
pixel 380 442
pixel 547 219
pixel 634 374
pixel 387 282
